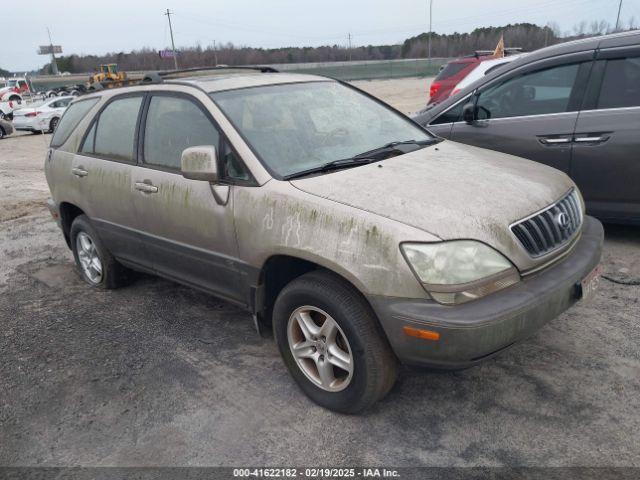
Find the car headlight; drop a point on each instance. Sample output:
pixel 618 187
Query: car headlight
pixel 460 270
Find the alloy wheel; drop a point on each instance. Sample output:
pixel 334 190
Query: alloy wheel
pixel 88 257
pixel 320 348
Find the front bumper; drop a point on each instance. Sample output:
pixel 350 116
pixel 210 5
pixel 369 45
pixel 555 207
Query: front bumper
pixel 54 211
pixel 474 331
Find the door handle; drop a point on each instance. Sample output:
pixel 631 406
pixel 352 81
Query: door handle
pixel 597 139
pixel 146 187
pixel 79 172
pixel 555 141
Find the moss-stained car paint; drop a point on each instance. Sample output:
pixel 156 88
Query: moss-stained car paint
pixel 279 219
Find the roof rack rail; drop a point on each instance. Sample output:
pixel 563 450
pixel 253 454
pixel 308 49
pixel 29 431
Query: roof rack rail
pixel 159 76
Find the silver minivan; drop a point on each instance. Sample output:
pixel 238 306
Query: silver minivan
pixel 360 238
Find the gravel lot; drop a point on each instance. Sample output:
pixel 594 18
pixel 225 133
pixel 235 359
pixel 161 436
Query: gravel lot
pixel 159 374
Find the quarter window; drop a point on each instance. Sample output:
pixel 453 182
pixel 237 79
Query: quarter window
pixel 536 93
pixel 70 120
pixel 174 124
pixel 233 168
pixel 621 84
pixel 451 115
pixel 115 130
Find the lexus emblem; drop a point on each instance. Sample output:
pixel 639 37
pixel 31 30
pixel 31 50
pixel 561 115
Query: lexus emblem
pixel 562 219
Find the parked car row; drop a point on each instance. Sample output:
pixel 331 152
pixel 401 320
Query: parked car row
pixel 573 106
pixel 36 117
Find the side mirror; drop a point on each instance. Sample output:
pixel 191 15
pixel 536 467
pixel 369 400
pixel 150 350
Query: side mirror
pixel 469 113
pixel 200 163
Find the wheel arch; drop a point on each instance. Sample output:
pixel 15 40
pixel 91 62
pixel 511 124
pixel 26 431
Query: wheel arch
pixel 281 269
pixel 68 213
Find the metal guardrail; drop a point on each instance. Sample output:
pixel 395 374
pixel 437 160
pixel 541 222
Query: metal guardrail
pixel 355 70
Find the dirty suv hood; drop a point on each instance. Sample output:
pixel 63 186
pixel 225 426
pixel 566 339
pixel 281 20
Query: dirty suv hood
pixel 452 191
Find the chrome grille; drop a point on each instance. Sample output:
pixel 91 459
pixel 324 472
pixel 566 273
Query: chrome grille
pixel 551 228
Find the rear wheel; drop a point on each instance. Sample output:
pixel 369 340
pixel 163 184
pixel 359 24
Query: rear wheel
pixel 95 263
pixel 1 133
pixel 330 341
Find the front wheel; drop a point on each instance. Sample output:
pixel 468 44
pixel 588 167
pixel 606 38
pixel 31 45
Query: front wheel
pixel 95 263
pixel 331 342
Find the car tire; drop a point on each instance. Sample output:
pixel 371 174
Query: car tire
pixel 2 133
pixel 94 262
pixel 358 363
pixel 53 124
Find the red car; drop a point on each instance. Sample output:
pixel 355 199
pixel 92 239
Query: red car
pixel 451 74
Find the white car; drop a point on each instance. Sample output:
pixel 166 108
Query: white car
pixel 481 70
pixel 43 117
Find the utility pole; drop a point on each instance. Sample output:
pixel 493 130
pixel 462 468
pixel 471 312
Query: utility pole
pixel 349 46
pixel 430 27
pixel 215 54
pixel 173 45
pixel 618 19
pixel 54 64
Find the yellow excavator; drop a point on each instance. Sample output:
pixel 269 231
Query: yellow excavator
pixel 108 76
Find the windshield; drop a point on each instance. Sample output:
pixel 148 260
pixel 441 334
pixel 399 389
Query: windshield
pixel 296 127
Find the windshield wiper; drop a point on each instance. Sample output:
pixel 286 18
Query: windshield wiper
pixel 376 154
pixel 334 165
pixel 392 147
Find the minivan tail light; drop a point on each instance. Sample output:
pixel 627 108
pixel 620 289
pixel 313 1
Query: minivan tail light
pixel 32 114
pixel 435 86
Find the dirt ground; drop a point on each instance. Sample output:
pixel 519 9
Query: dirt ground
pixel 407 94
pixel 159 374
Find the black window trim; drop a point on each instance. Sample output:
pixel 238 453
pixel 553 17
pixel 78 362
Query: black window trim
pixel 58 145
pixel 222 140
pixel 96 121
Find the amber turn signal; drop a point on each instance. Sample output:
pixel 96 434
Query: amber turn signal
pixel 423 334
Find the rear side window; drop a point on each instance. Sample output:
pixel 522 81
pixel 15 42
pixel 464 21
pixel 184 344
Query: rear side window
pixel 450 70
pixel 70 120
pixel 621 84
pixel 113 134
pixel 174 124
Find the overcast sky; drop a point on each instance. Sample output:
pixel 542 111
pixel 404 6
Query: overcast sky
pixel 86 26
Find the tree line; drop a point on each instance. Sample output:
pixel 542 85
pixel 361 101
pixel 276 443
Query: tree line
pixel 525 35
